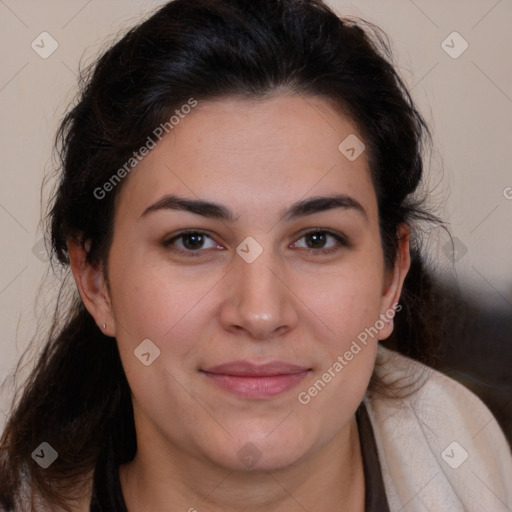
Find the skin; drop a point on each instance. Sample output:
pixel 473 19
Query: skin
pixel 256 158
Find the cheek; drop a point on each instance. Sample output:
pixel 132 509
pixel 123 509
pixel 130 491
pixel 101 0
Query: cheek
pixel 167 311
pixel 348 301
pixel 172 310
pixel 347 311
pixel 152 300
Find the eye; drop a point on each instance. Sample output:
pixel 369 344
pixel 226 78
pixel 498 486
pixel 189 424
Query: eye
pixel 197 242
pixel 190 242
pixel 320 241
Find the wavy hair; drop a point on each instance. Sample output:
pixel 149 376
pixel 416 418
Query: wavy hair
pixel 77 395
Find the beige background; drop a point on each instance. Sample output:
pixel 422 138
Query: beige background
pixel 467 101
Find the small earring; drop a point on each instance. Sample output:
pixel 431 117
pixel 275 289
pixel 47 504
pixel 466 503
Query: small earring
pixel 104 326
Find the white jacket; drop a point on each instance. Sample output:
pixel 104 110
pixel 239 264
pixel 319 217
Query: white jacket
pixel 440 449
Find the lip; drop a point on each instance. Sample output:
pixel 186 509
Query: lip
pixel 252 380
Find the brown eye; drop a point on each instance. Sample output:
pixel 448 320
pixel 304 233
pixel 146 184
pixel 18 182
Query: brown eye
pixel 316 240
pixel 320 242
pixel 191 243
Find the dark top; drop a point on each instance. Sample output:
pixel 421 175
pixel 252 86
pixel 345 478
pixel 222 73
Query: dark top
pixel 108 496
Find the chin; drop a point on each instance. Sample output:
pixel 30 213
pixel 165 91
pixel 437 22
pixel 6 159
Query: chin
pixel 264 452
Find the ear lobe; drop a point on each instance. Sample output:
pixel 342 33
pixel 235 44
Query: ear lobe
pixel 394 281
pixel 91 285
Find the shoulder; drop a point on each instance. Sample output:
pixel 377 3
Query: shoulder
pixel 440 447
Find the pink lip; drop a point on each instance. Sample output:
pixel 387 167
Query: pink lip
pixel 256 381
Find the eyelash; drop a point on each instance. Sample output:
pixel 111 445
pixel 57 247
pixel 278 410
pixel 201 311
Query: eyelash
pixel 340 239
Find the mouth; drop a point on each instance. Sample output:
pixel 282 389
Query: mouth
pixel 250 380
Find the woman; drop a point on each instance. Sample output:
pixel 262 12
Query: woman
pixel 237 206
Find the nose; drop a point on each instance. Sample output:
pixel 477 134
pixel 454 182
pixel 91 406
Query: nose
pixel 260 301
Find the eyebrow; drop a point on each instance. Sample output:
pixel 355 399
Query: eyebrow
pixel 218 211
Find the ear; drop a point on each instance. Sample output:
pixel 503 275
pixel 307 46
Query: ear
pixel 92 287
pixel 394 280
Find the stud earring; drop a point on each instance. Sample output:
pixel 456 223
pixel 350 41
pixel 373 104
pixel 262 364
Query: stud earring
pixel 104 326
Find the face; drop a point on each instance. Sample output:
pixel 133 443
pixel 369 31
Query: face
pixel 246 248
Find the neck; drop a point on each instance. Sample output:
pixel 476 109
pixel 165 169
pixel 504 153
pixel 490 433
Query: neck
pixel 331 478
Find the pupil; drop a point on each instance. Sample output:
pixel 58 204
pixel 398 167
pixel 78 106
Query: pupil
pixel 316 240
pixel 193 241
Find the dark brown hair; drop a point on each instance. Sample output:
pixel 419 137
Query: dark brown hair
pixel 77 397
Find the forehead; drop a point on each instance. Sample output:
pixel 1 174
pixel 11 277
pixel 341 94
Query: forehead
pixel 253 154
